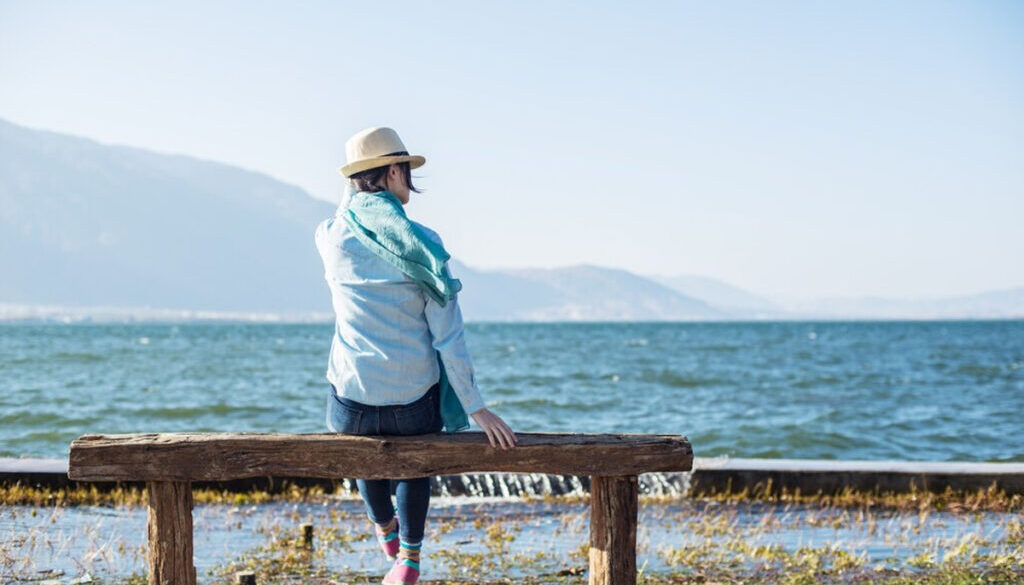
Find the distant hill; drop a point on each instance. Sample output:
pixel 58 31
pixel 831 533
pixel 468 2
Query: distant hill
pixel 999 304
pixel 91 225
pixel 89 230
pixel 575 293
pixel 741 304
pixel 83 223
pixel 721 295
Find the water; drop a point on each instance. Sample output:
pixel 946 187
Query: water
pixel 539 538
pixel 939 391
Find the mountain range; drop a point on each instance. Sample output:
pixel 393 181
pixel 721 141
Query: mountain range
pixel 92 230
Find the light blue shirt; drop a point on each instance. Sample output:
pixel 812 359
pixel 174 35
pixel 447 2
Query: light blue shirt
pixel 386 328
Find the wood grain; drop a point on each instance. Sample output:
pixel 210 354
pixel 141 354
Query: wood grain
pixel 170 533
pixel 226 456
pixel 613 518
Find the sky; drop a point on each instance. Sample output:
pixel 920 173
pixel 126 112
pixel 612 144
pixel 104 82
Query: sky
pixel 796 150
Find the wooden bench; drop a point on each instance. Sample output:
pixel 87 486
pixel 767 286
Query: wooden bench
pixel 169 462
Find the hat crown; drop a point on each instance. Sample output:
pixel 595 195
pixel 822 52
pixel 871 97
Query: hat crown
pixel 376 147
pixel 373 142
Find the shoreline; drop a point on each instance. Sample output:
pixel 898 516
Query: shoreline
pixel 60 315
pixel 710 476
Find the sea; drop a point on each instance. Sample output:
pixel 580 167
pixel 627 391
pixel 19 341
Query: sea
pixel 860 390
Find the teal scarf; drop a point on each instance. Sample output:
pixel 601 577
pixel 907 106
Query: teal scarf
pixel 378 220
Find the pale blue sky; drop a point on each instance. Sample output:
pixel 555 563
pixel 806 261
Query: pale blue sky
pixel 789 148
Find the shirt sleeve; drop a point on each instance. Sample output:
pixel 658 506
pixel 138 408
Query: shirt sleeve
pixel 446 329
pixel 449 339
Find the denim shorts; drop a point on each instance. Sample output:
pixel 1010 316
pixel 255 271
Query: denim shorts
pixel 418 417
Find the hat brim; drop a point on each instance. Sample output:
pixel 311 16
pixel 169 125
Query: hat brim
pixel 415 161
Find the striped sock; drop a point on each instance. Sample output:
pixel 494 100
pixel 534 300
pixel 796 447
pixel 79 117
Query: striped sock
pixel 409 553
pixel 387 536
pixel 387 527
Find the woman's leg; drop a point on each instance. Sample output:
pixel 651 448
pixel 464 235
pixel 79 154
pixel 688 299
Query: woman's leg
pixel 376 494
pixel 414 494
pixel 353 418
pixel 413 497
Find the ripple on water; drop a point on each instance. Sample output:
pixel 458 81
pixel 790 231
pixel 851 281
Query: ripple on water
pixel 26 417
pixel 675 379
pixel 180 412
pixel 77 357
pixel 981 370
pixel 892 390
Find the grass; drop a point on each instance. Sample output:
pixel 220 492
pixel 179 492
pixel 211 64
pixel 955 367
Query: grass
pixel 713 545
pixel 129 495
pixel 990 499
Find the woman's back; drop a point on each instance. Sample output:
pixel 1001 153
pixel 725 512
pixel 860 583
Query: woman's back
pixel 382 351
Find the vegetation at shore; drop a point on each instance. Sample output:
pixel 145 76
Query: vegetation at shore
pixel 727 538
pixel 990 499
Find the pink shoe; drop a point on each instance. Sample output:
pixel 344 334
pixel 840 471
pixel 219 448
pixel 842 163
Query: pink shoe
pixel 403 572
pixel 388 540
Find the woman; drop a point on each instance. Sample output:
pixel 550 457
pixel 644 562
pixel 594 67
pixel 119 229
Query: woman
pixel 398 363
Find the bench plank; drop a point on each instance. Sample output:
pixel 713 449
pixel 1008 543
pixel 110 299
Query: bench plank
pixel 227 456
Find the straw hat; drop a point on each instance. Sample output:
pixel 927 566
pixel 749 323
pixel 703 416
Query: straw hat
pixel 376 147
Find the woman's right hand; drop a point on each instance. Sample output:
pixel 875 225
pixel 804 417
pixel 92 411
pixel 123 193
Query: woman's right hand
pixel 498 433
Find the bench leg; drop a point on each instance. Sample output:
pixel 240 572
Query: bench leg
pixel 613 518
pixel 170 533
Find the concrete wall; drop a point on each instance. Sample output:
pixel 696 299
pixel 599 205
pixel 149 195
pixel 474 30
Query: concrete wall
pixel 710 475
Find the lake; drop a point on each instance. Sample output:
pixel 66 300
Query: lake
pixel 913 390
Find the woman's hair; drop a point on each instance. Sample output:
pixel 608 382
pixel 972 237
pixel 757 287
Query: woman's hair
pixel 368 180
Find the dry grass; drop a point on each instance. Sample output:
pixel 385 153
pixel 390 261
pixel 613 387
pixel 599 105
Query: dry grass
pixel 710 543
